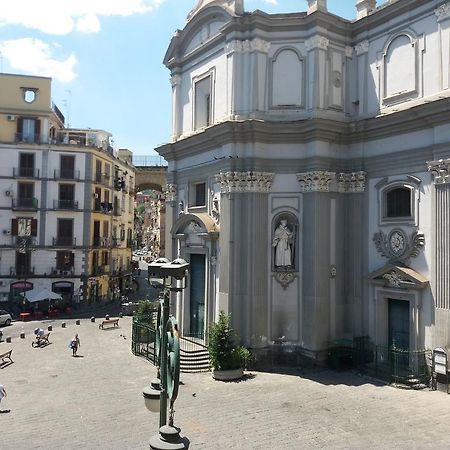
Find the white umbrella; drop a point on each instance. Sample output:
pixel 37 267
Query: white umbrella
pixel 39 294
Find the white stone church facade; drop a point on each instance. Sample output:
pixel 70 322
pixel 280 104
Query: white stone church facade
pixel 308 178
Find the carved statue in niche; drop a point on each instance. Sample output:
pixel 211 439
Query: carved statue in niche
pixel 283 240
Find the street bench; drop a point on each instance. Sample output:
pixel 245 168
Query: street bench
pixel 113 322
pixel 6 355
pixel 41 340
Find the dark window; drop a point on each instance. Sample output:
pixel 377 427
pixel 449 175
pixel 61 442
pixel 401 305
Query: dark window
pixel 98 171
pixel 94 260
pixel 104 258
pixel 65 232
pixel 26 195
pixel 26 165
pixel 64 260
pixel 28 130
pixel 105 229
pixel 98 199
pixel 200 194
pixel 96 233
pixel 23 263
pixel 67 167
pixel 66 195
pixel 398 202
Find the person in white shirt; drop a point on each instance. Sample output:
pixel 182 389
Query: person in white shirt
pixel 3 394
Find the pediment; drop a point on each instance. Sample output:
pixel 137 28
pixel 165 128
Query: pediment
pixel 398 276
pixel 233 7
pixel 194 224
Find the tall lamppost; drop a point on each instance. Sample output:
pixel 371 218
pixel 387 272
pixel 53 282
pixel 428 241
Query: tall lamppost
pixel 168 350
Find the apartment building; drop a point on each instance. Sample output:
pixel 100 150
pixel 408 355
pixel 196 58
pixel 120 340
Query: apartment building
pixel 65 201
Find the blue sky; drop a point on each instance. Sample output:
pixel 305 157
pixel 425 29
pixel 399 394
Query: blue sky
pixel 105 58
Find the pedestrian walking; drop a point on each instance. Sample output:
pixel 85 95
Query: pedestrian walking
pixel 74 344
pixel 3 394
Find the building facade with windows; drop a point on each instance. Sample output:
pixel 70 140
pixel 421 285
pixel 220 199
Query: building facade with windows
pixel 308 177
pixel 62 226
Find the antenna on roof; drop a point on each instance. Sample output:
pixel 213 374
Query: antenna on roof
pixel 66 103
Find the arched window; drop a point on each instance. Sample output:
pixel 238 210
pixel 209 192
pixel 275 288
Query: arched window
pixel 398 202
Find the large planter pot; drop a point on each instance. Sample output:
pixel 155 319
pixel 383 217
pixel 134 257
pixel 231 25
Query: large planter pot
pixel 228 375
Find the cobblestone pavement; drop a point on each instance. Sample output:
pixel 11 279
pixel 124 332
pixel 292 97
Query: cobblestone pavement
pixel 95 402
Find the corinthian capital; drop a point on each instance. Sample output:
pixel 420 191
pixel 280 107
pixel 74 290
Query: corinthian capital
pixel 241 182
pixel 315 181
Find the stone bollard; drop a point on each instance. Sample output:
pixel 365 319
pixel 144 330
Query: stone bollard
pixel 8 339
pixel 92 319
pixel 121 314
pixel 107 317
pixel 49 328
pixel 22 335
pixel 63 324
pixel 77 322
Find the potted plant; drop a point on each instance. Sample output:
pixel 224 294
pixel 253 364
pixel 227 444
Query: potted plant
pixel 227 360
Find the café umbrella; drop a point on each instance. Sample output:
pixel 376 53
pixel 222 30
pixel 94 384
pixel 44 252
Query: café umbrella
pixel 40 294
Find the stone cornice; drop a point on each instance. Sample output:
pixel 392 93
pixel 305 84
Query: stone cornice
pixel 440 170
pixel 298 132
pixel 244 182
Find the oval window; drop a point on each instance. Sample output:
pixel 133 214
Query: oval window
pixel 29 95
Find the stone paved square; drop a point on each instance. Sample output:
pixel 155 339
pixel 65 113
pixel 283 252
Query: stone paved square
pixel 95 402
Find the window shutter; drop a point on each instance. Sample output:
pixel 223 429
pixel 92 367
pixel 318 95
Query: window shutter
pixel 20 125
pixel 72 259
pixel 14 227
pixel 38 129
pixel 34 227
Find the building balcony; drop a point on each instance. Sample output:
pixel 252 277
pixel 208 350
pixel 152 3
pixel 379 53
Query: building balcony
pixel 21 271
pixel 63 271
pixel 64 241
pixel 65 204
pixel 25 172
pixel 103 207
pixel 25 204
pixel 66 174
pixel 26 138
pixel 98 270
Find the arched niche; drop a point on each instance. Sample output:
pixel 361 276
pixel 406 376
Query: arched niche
pixel 284 242
pixel 287 79
pixel 400 66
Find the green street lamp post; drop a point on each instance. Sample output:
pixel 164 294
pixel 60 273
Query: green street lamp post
pixel 168 350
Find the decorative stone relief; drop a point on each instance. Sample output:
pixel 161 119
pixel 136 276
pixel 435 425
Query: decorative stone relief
pixel 215 207
pixel 247 46
pixel 317 42
pixel 316 181
pixel 362 47
pixel 443 12
pixel 351 182
pixel 170 192
pixel 397 246
pixel 285 278
pixel 175 80
pixel 235 7
pixel 240 182
pixel 349 51
pixel 394 279
pixel 440 170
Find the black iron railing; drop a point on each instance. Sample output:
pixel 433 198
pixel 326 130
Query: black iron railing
pixel 65 204
pixel 143 341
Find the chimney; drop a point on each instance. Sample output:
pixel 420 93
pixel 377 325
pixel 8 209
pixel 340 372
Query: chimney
pixel 364 7
pixel 317 5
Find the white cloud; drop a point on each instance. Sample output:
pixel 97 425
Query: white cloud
pixel 63 16
pixel 36 57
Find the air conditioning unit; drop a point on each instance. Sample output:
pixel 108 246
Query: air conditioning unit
pixel 11 118
pixel 7 232
pixel 9 193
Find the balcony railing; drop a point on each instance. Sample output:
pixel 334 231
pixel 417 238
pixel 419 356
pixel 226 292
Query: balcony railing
pixel 98 270
pixel 66 174
pixel 67 271
pixel 25 172
pixel 64 241
pixel 65 204
pixel 25 203
pixel 21 271
pixel 28 138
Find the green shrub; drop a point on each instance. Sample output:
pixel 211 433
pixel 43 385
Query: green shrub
pixel 223 353
pixel 145 312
